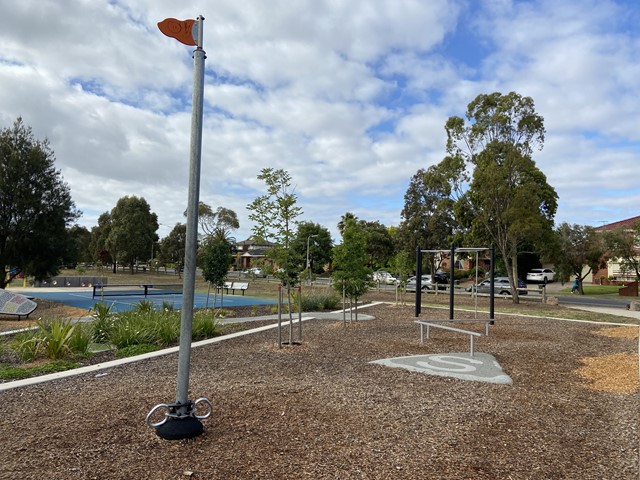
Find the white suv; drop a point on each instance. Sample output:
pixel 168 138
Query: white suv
pixel 541 275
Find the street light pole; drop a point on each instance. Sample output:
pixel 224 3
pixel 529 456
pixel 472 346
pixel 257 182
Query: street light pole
pixel 308 261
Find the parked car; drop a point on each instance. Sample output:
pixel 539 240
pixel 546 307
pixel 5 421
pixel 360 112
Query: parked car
pixel 541 275
pixel 384 278
pixel 501 286
pixel 428 282
pixel 256 271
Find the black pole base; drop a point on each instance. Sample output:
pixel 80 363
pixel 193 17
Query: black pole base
pixel 178 429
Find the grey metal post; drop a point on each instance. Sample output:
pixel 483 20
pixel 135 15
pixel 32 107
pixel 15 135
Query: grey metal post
pixel 182 420
pixel 492 289
pixel 418 307
pixel 300 313
pixel 451 281
pixel 191 245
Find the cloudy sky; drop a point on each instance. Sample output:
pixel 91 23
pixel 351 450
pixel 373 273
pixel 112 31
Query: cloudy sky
pixel 349 96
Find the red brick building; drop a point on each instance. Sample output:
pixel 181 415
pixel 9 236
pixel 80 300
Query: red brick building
pixel 612 270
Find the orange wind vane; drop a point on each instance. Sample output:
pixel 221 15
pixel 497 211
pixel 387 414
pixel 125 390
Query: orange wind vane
pixel 182 30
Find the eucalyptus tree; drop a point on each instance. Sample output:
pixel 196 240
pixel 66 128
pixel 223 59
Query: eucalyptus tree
pixel 222 221
pixel 428 219
pixel 501 194
pixel 35 205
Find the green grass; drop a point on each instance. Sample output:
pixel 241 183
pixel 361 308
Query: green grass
pixel 594 290
pixel 11 372
pixel 134 350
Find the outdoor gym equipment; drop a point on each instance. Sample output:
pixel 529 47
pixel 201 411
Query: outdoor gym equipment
pixel 436 323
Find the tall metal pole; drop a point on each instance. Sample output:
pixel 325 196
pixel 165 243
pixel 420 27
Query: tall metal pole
pixel 191 245
pixel 418 307
pixel 182 422
pixel 492 288
pixel 451 280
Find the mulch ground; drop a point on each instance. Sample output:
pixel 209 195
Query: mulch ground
pixel 322 411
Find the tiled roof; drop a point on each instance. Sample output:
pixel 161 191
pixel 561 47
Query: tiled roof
pixel 628 223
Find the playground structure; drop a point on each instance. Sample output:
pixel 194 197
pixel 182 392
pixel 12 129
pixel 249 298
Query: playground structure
pixel 16 304
pixel 437 323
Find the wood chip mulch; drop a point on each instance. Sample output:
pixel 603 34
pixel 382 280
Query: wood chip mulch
pixel 324 412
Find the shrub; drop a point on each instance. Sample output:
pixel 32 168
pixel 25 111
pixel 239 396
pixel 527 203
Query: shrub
pixel 144 306
pixel 56 338
pixel 27 345
pixel 204 326
pixel 167 306
pixel 81 338
pixel 102 310
pixel 166 328
pixel 103 323
pixel 315 302
pixel 131 328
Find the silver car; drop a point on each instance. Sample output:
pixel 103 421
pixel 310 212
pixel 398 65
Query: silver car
pixel 426 283
pixel 501 286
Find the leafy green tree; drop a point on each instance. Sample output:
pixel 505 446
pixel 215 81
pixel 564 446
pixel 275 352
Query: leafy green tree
pixel 623 245
pixel 320 245
pixel 78 241
pixel 428 217
pixel 172 247
pixel 133 231
pixel 217 259
pixel 35 205
pixel 577 251
pixel 379 245
pixel 508 200
pixel 98 246
pixel 274 215
pixel 351 275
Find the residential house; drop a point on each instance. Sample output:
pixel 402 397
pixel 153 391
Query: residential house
pixel 612 269
pixel 251 251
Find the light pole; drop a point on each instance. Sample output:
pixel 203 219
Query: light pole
pixel 308 261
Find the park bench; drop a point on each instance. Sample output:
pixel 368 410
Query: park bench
pixel 233 286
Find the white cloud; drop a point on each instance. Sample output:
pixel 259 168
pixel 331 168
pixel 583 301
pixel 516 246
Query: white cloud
pixel 350 97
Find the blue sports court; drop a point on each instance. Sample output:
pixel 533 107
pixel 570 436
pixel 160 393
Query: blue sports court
pixel 83 298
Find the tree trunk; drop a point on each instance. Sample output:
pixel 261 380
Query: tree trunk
pixel 290 315
pixel 514 279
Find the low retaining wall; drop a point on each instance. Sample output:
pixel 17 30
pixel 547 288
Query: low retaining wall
pixel 64 281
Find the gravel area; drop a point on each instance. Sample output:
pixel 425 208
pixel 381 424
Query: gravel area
pixel 322 411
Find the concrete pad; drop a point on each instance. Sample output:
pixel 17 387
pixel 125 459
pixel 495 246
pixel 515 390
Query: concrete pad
pixel 482 367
